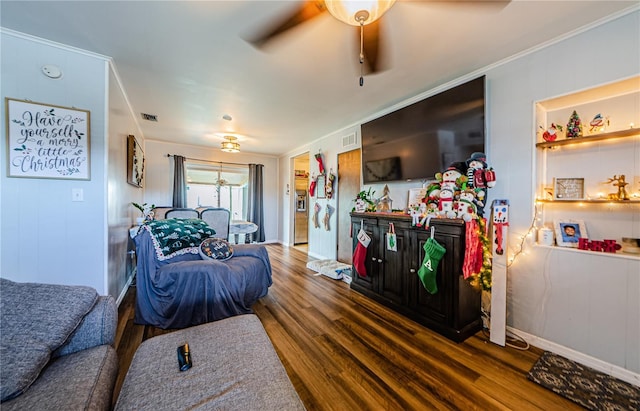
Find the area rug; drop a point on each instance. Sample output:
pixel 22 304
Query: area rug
pixel 583 385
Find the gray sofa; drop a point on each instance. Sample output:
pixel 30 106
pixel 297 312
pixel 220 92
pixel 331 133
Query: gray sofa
pixel 56 347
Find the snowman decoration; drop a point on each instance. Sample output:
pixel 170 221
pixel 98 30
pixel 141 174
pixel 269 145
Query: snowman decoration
pixel 445 205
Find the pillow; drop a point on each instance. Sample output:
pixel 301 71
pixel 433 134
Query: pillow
pixel 215 249
pixel 22 361
pixel 177 236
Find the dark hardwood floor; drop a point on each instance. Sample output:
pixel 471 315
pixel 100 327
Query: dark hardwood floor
pixel 345 351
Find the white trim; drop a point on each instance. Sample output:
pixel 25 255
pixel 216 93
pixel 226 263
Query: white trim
pixel 52 43
pixel 123 293
pixel 584 359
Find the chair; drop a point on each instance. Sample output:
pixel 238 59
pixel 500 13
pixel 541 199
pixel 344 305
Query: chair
pixel 218 219
pixel 159 213
pixel 182 213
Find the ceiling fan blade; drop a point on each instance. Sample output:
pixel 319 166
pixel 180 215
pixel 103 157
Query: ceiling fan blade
pixel 308 10
pixel 372 47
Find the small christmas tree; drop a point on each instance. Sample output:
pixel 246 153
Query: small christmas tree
pixel 574 126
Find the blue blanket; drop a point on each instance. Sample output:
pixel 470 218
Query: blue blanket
pixel 185 290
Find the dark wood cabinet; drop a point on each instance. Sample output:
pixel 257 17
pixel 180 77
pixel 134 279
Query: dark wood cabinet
pixel 392 276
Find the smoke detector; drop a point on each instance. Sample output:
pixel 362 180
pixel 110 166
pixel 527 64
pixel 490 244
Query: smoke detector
pixel 52 71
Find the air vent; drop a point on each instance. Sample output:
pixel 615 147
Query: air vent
pixel 149 117
pixel 349 140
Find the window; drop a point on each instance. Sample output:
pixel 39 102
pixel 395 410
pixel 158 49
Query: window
pixel 218 185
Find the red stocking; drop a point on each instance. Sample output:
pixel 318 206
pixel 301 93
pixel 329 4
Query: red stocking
pixel 320 163
pixel 359 256
pixel 473 250
pixel 312 188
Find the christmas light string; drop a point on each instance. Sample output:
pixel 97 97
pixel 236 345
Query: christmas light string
pixel 532 227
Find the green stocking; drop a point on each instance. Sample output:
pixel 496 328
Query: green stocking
pixel 433 252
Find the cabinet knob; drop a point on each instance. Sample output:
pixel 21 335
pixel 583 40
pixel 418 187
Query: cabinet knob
pixel 379 260
pixel 373 259
pixel 413 270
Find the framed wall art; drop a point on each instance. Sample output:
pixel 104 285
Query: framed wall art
pixel 321 182
pixel 568 232
pixel 47 141
pixel 416 195
pixel 135 162
pixel 568 189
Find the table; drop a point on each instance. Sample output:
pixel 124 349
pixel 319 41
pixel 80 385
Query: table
pixel 237 227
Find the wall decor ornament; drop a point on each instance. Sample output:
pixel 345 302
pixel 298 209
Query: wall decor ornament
pixel 135 162
pixel 574 126
pixel 569 232
pixel 568 188
pixel 47 141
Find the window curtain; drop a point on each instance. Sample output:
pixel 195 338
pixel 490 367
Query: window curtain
pixel 179 183
pixel 255 212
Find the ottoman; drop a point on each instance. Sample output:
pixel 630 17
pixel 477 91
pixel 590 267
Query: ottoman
pixel 235 367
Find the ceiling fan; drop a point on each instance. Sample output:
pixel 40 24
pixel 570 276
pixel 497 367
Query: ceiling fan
pixel 359 13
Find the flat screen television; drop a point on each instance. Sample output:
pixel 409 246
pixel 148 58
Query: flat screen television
pixel 424 138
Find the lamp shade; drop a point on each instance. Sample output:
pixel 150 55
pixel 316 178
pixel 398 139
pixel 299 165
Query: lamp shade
pixel 346 10
pixel 230 145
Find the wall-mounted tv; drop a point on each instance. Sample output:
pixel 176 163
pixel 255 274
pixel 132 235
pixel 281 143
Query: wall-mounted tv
pixel 424 138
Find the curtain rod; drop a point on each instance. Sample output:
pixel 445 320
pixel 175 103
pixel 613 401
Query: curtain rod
pixel 211 161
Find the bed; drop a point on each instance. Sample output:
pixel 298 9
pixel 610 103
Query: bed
pixel 177 288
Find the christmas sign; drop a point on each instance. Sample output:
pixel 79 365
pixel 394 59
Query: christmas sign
pixel 47 141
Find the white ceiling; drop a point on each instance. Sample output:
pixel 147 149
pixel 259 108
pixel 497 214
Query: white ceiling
pixel 189 63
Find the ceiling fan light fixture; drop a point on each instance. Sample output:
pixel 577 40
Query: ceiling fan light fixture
pixel 357 12
pixel 230 145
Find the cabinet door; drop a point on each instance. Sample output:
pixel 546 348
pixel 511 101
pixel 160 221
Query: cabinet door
pixel 438 306
pixel 393 264
pixel 371 264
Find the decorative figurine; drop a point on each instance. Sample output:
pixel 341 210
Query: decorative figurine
pixel 598 124
pixel 480 178
pixel 384 203
pixel 551 134
pixel 621 183
pixel 574 126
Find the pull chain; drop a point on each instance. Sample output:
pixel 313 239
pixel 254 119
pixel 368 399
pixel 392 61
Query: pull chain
pixel 361 53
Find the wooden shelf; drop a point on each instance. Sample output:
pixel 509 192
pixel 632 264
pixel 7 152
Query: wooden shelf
pixel 603 201
pixel 627 256
pixel 631 132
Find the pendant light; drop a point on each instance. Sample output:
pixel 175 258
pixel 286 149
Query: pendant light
pixel 230 145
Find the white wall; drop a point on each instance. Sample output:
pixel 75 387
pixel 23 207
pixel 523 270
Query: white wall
pixel 322 243
pixel 120 213
pixel 585 307
pixel 159 176
pixel 589 304
pixel 45 236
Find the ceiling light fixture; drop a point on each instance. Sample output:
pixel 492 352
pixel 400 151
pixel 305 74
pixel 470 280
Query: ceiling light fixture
pixel 230 145
pixel 358 13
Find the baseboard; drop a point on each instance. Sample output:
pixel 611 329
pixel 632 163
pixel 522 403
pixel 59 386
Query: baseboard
pixel 124 291
pixel 584 359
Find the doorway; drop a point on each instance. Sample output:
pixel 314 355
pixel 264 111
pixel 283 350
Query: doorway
pixel 348 189
pixel 301 197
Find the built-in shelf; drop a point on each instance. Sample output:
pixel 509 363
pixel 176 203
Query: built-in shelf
pixel 626 256
pixel 630 132
pixel 603 201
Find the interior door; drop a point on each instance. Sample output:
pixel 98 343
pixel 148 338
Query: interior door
pixel 348 189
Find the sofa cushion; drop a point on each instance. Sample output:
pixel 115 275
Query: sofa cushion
pixel 215 249
pixel 39 317
pixel 80 381
pixel 176 236
pixel 22 360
